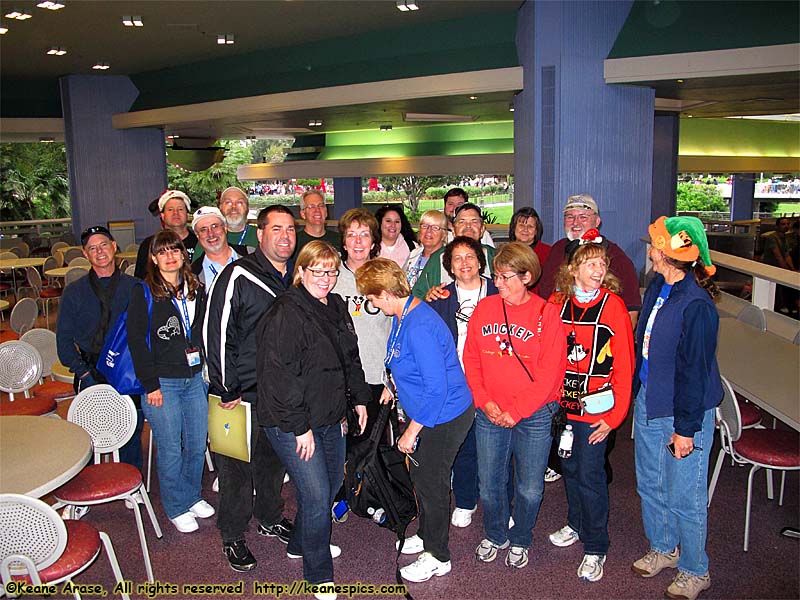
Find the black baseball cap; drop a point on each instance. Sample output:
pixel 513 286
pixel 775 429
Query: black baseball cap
pixel 90 231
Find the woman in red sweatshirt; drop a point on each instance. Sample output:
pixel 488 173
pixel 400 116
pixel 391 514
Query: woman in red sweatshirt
pixel 599 359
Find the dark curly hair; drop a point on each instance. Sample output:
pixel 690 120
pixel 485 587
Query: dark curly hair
pixel 462 240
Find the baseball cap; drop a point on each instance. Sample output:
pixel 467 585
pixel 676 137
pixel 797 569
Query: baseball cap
pixel 169 195
pixel 97 229
pixel 581 202
pixel 204 212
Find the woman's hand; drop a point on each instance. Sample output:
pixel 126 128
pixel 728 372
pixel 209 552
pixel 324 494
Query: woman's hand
pixel 406 442
pixel 436 292
pixel 155 398
pixel 684 446
pixel 492 411
pixel 361 411
pixel 229 405
pixel 601 433
pixel 505 420
pixel 386 397
pixel 305 445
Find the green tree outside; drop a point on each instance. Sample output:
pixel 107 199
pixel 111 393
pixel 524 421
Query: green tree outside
pixel 203 186
pixel 33 181
pixel 700 198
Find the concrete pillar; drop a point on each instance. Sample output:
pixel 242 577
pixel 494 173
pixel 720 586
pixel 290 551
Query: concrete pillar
pixel 113 174
pixel 347 194
pixel 743 191
pixel 665 165
pixel 588 136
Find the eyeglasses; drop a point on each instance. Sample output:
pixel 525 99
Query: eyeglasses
pixel 581 218
pixel 434 228
pixel 351 235
pixel 215 228
pixel 320 273
pixel 506 277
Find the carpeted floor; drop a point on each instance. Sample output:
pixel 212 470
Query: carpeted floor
pixel 770 569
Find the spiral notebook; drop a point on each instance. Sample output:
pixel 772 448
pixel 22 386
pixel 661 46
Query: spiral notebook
pixel 229 430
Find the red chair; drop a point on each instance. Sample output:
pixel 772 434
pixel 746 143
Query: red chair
pixel 37 547
pixel 110 420
pixel 772 449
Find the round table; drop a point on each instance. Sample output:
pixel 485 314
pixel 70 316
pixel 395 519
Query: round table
pixel 4 304
pixel 40 454
pixel 126 255
pixel 62 373
pixel 62 271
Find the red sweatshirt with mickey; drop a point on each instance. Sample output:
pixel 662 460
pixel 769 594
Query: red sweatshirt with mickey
pixel 600 352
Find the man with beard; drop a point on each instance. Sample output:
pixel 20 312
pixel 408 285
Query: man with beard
pixel 235 206
pixel 209 227
pixel 174 207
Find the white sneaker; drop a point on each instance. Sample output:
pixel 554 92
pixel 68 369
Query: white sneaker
pixel 591 567
pixel 412 545
pixel 425 567
pixel 325 591
pixel 185 523
pixel 202 509
pixel 215 485
pixel 462 517
pixel 335 553
pixel 550 475
pixel 566 536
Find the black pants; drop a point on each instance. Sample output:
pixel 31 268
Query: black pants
pixel 435 456
pixel 237 479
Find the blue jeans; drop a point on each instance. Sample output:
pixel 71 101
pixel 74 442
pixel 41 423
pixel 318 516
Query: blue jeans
pixel 180 431
pixel 529 443
pixel 587 490
pixel 674 492
pixel 316 481
pixel 465 474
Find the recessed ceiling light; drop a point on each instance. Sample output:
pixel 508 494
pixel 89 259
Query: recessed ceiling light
pixel 173 137
pixel 315 123
pixel 406 5
pixel 47 140
pixel 3 30
pixel 473 97
pixel 18 14
pixel 50 5
pixel 57 51
pixel 690 116
pixel 680 80
pixel 511 107
pixel 386 127
pixel 132 21
pixel 101 66
pixel 225 39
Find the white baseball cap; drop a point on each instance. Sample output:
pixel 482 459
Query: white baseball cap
pixel 204 212
pixel 169 195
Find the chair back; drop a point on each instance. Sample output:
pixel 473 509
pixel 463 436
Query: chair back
pixel 24 250
pixel 79 261
pixel 72 253
pixel 23 315
pixel 34 279
pixel 130 270
pixel 16 251
pixel 20 367
pixel 49 263
pixel 32 536
pixel 753 316
pixel 123 264
pixel 132 248
pixel 730 419
pixel 44 341
pixel 74 274
pixel 8 255
pixel 56 245
pixel 107 416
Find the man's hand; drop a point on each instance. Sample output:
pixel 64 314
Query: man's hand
pixel 361 411
pixel 437 292
pixel 684 446
pixel 229 405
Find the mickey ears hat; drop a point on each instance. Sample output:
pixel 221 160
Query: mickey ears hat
pixel 682 238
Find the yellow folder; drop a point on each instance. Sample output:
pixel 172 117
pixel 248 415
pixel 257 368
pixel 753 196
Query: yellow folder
pixel 229 430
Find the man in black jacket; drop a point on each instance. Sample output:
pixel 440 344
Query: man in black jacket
pixel 239 296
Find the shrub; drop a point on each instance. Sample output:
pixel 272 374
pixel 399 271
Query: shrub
pixel 700 198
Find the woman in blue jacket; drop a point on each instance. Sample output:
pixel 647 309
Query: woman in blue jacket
pixel 679 386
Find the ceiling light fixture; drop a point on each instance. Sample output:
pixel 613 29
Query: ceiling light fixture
pixel 50 5
pixel 511 107
pixel 406 5
pixel 679 80
pixel 3 30
pixel 57 51
pixel 386 127
pixel 315 123
pixel 101 66
pixel 134 21
pixel 47 140
pixel 473 97
pixel 436 118
pixel 225 39
pixel 18 14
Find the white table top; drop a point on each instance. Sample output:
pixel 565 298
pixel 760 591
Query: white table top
pixel 62 271
pixel 4 304
pixel 40 454
pixel 763 367
pixel 21 263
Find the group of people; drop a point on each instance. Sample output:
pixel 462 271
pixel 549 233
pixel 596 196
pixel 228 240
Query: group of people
pixel 490 354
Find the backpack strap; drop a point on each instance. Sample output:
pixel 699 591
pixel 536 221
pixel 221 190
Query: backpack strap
pixel 148 296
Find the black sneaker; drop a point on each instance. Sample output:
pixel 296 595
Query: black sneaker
pixel 239 556
pixel 281 530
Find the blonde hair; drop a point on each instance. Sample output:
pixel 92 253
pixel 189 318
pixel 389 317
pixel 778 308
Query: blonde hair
pixel 518 257
pixel 434 217
pixel 316 252
pixel 565 278
pixel 380 275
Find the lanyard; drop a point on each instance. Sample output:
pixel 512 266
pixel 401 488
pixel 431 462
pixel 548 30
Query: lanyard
pixel 185 311
pixel 211 264
pixel 396 326
pixel 241 237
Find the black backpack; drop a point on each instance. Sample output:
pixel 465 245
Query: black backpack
pixel 376 477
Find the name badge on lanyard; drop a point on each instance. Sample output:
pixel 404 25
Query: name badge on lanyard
pixel 192 353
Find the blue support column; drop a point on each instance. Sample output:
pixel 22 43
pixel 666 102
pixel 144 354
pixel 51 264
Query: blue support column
pixel 743 191
pixel 588 136
pixel 524 113
pixel 665 165
pixel 113 174
pixel 347 194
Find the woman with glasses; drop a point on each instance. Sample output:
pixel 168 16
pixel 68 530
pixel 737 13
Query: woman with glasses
pixel 464 260
pixel 430 383
pixel 597 391
pixel 432 235
pixel 397 237
pixel 526 227
pixel 514 361
pixel 308 366
pixel 166 347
